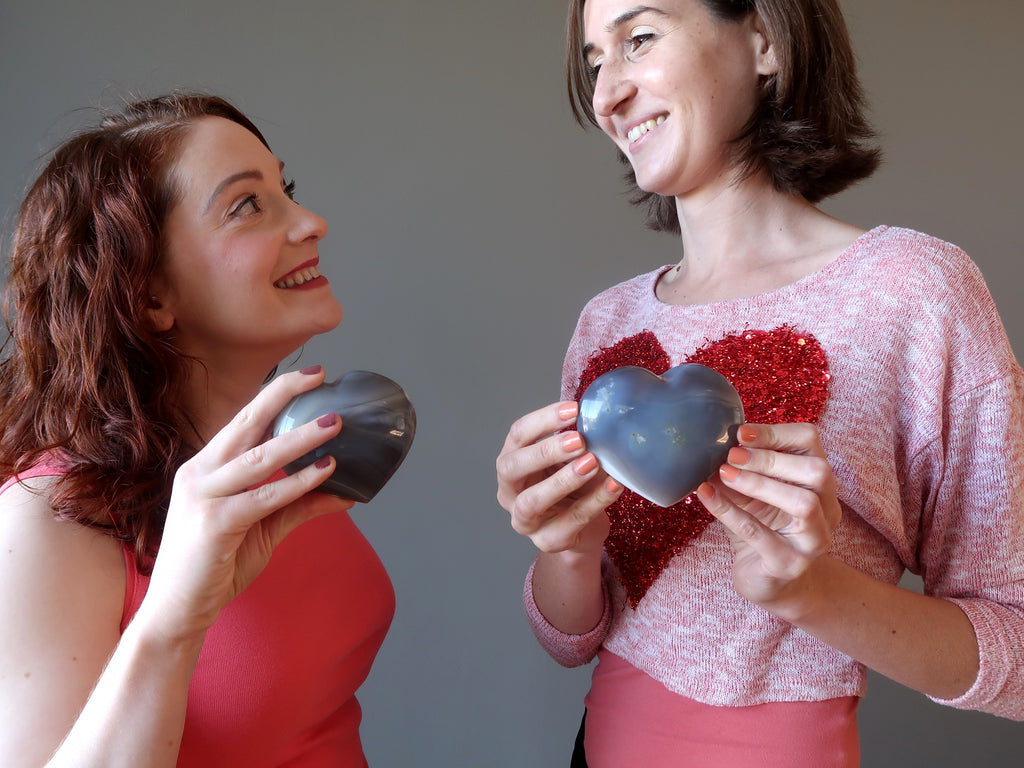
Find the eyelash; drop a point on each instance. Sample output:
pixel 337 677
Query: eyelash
pixel 254 200
pixel 633 44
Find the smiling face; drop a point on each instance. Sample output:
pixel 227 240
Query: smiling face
pixel 240 273
pixel 673 87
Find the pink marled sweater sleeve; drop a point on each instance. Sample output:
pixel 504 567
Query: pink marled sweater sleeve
pixel 567 650
pixel 974 553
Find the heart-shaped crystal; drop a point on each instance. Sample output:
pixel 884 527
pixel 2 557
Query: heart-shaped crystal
pixel 660 436
pixel 378 427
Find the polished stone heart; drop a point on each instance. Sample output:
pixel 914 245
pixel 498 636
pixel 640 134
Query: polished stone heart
pixel 660 436
pixel 378 426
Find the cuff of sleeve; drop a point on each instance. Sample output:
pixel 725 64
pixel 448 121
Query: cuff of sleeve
pixel 568 650
pixel 997 662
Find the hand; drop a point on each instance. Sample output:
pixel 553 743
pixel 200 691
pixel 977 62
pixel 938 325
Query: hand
pixel 776 497
pixel 552 488
pixel 221 530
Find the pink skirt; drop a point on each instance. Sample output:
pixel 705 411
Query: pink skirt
pixel 633 719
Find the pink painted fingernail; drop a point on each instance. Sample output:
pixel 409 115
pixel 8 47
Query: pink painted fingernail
pixel 572 441
pixel 327 420
pixel 311 370
pixel 613 486
pixel 706 491
pixel 747 434
pixel 728 471
pixel 585 464
pixel 323 463
pixel 739 456
pixel 567 411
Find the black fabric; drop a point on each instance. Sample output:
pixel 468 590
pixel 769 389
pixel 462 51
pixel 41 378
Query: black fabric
pixel 579 754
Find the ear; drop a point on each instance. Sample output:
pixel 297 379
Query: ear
pixel 160 315
pixel 764 48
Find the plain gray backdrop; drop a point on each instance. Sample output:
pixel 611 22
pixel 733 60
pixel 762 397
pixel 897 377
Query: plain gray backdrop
pixel 470 221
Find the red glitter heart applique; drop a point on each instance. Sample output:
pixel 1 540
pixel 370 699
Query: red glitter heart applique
pixel 781 376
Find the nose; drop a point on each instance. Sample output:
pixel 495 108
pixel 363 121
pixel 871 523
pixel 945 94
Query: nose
pixel 611 90
pixel 307 225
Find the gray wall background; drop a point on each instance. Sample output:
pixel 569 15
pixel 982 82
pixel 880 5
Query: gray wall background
pixel 470 220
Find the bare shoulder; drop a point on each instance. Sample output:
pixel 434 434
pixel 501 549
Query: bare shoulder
pixel 60 612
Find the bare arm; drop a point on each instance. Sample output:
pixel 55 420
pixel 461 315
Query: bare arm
pixel 75 691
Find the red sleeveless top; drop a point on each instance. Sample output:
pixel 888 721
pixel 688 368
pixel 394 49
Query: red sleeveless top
pixel 276 679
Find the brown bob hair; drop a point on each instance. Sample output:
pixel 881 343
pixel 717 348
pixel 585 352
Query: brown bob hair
pixel 808 133
pixel 85 378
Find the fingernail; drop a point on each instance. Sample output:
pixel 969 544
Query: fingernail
pixel 706 491
pixel 728 471
pixel 613 486
pixel 739 456
pixel 323 463
pixel 585 464
pixel 313 369
pixel 572 441
pixel 746 433
pixel 327 420
pixel 567 411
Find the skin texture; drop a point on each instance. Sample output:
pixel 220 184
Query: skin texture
pixel 776 496
pixel 73 690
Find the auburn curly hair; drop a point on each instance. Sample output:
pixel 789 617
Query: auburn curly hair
pixel 85 378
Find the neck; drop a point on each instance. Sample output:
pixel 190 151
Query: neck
pixel 217 391
pixel 747 239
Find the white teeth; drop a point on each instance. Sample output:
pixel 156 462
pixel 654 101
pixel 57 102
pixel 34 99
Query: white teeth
pixel 298 278
pixel 639 130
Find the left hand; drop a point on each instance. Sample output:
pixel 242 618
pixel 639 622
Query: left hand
pixel 776 496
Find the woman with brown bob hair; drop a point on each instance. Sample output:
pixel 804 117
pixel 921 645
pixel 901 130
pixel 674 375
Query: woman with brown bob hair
pixel 808 132
pixel 884 418
pixel 159 270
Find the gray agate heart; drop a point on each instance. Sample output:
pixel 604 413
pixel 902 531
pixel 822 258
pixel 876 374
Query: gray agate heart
pixel 378 426
pixel 660 436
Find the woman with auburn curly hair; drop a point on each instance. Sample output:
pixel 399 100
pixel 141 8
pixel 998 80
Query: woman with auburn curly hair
pixel 887 410
pixel 159 270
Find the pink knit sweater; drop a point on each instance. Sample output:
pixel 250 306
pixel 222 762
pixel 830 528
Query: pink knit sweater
pixel 924 428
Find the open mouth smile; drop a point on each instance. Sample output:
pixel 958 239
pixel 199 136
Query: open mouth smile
pixel 639 130
pixel 299 277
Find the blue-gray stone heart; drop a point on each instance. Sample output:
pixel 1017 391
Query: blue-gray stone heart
pixel 378 427
pixel 660 436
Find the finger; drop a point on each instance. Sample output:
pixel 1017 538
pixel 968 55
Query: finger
pixel 796 500
pixel 809 471
pixel 307 506
pixel 795 513
pixel 515 466
pixel 254 504
pixel 250 425
pixel 565 531
pixel 777 553
pixel 541 502
pixel 536 424
pixel 799 438
pixel 259 462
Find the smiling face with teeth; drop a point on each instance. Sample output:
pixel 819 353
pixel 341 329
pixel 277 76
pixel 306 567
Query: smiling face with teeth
pixel 673 87
pixel 240 277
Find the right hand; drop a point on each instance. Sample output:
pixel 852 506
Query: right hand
pixel 221 530
pixel 551 486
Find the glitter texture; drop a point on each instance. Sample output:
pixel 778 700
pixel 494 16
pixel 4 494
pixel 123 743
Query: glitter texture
pixel 781 376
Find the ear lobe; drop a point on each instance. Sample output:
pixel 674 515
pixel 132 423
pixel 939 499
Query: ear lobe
pixel 161 318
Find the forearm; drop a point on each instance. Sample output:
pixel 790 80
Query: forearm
pixel 923 642
pixel 135 715
pixel 567 590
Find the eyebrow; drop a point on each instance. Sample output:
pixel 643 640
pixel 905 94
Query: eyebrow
pixel 621 19
pixel 240 176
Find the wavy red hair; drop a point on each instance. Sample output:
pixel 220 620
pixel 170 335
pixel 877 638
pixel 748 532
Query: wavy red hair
pixel 85 376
